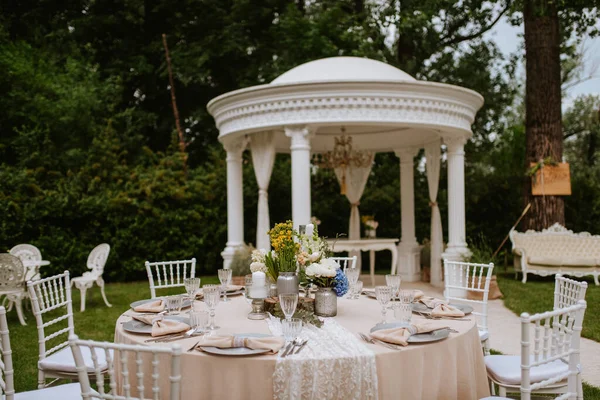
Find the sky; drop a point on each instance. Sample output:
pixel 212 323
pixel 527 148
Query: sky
pixel 509 39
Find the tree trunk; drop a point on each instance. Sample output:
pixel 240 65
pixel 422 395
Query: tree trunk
pixel 543 105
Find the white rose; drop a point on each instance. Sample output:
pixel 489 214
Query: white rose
pixel 258 266
pixel 312 269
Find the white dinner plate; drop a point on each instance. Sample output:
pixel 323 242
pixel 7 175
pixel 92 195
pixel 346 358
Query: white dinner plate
pixel 135 326
pixel 422 308
pixel 417 338
pixel 186 303
pixel 237 351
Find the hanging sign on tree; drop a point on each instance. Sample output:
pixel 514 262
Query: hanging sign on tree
pixel 550 179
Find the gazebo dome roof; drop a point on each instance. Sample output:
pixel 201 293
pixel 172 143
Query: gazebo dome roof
pixel 351 69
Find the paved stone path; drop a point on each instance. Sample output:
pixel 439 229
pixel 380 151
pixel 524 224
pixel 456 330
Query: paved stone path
pixel 505 330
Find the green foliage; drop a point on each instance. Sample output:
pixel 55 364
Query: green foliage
pixel 242 258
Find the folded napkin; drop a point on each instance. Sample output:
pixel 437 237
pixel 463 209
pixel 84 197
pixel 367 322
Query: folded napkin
pixel 440 308
pixel 273 343
pixel 151 306
pixel 233 288
pixel 160 326
pixel 417 294
pixel 400 335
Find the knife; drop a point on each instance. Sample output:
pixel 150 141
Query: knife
pixel 287 349
pixel 301 346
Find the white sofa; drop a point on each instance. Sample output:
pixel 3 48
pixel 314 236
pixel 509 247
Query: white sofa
pixel 556 250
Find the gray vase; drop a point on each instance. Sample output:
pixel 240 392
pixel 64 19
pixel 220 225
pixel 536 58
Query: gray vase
pixel 325 302
pixel 288 282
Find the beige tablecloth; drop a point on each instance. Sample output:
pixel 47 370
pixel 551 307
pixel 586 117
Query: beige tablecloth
pixel 449 369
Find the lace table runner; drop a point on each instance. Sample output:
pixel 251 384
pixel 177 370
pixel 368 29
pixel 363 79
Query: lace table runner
pixel 334 364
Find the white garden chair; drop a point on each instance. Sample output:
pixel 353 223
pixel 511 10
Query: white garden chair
pixel 146 362
pixel 28 252
pixel 169 274
pixel 554 365
pixel 95 263
pixel 568 292
pixel 345 262
pixel 12 283
pixel 53 295
pixel 463 277
pixel 7 387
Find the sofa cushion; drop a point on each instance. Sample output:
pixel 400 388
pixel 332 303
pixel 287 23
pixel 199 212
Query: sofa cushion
pixel 579 262
pixel 545 260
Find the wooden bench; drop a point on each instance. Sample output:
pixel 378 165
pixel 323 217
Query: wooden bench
pixel 556 250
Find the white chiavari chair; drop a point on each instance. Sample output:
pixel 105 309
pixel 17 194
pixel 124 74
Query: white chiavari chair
pixel 568 292
pixel 168 274
pixel 7 387
pixel 53 311
pixel 95 263
pixel 463 277
pixel 12 283
pixel 345 262
pixel 553 366
pixel 133 373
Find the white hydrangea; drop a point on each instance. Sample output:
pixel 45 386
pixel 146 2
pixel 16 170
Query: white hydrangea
pixel 258 261
pixel 327 268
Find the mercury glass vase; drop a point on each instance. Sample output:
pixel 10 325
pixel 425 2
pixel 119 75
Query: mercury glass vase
pixel 288 282
pixel 325 302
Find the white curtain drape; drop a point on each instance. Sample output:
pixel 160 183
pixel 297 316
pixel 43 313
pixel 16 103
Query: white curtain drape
pixel 354 179
pixel 263 158
pixel 433 161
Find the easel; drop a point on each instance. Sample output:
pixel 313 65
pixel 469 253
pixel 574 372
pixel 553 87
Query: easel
pixel 513 227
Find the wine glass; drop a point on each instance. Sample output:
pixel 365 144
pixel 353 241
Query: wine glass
pixel 225 278
pixel 212 296
pixel 393 281
pixel 384 295
pixel 191 287
pixel 352 274
pixel 288 303
pixel 358 287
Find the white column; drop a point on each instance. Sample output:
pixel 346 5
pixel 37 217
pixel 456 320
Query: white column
pixel 409 252
pixel 457 243
pixel 300 152
pixel 235 198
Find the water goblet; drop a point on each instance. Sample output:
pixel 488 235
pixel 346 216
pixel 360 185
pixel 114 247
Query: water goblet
pixel 352 275
pixel 225 278
pixel 191 287
pixel 393 281
pixel 384 295
pixel 212 296
pixel 288 303
pixel 198 320
pixel 358 287
pixel 403 311
pixel 291 328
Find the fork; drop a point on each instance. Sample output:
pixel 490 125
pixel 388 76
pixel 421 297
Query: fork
pixel 429 316
pixel 369 339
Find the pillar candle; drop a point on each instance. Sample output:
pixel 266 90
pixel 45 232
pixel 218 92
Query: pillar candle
pixel 258 290
pixel 309 230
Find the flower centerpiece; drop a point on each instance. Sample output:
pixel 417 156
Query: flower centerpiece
pixel 370 225
pixel 322 271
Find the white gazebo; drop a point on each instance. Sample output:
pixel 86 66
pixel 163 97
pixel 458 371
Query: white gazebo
pixel 383 109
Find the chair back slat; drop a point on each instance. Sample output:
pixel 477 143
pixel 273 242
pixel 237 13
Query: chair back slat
pixel 48 295
pixel 167 274
pixel 7 386
pixel 568 292
pixel 556 336
pixel 134 361
pixel 463 277
pixel 345 262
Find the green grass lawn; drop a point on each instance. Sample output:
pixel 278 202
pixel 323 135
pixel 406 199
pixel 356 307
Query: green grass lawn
pixel 537 295
pixel 97 323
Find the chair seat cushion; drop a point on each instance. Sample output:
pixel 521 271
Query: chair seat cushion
pixel 507 369
pixel 70 391
pixel 63 360
pixel 483 335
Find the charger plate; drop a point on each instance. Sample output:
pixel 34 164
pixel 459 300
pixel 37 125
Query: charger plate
pixel 237 351
pixel 417 338
pixel 135 326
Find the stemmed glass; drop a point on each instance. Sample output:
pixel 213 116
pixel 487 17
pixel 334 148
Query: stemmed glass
pixel 288 303
pixel 384 295
pixel 225 278
pixel 212 296
pixel 191 287
pixel 352 274
pixel 393 281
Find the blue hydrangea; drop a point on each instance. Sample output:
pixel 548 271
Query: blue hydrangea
pixel 340 283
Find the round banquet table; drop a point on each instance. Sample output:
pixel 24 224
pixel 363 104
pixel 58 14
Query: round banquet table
pixel 452 368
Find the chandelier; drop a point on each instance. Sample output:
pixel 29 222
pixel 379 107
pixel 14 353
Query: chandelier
pixel 343 156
